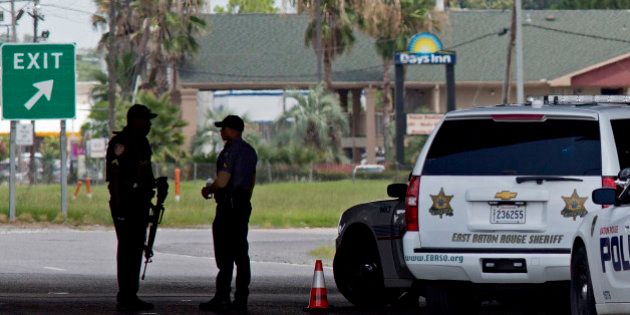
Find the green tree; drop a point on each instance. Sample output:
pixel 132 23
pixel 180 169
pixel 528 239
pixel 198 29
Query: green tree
pixel 336 30
pixel 316 122
pixel 50 151
pixel 391 24
pixel 97 125
pixel 166 135
pixel 207 141
pixel 247 6
pixel 152 39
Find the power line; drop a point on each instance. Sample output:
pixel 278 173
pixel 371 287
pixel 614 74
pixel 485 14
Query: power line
pixel 66 8
pixel 625 41
pixel 501 32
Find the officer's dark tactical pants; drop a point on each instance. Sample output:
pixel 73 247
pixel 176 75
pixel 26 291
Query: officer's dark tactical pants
pixel 131 235
pixel 229 231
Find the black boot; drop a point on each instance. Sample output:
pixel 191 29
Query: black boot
pixel 216 304
pixel 133 304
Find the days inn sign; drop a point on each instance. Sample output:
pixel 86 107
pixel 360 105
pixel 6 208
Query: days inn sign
pixel 425 48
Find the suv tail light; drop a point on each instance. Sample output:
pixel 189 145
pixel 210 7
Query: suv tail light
pixel 411 204
pixel 608 182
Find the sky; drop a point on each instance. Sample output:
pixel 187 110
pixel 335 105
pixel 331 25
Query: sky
pixel 69 21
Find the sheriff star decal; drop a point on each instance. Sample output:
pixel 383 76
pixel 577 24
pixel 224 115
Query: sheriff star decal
pixel 441 204
pixel 574 206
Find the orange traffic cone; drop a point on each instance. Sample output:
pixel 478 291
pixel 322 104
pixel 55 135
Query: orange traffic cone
pixel 319 299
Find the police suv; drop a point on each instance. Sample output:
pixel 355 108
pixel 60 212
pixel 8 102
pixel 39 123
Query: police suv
pixel 491 207
pixel 600 259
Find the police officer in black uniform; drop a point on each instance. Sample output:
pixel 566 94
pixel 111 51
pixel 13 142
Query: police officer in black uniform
pixel 130 183
pixel 232 190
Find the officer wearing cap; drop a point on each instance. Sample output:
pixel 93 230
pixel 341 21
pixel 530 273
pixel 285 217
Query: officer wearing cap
pixel 130 183
pixel 232 190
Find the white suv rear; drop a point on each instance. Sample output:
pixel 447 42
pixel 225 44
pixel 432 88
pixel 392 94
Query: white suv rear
pixel 497 193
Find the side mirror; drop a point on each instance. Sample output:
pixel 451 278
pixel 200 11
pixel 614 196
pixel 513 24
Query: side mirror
pixel 604 196
pixel 397 190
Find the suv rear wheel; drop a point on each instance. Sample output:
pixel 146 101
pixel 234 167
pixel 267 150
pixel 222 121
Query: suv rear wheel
pixel 358 274
pixel 582 299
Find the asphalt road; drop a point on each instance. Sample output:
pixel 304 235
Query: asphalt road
pixel 61 270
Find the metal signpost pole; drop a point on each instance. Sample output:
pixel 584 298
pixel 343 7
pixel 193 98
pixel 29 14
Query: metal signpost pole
pixel 401 117
pixel 64 171
pixel 450 87
pixel 12 172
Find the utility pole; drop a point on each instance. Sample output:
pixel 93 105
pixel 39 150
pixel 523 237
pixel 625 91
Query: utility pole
pixel 13 23
pixel 520 95
pixel 111 58
pixel 508 66
pixel 35 16
pixel 318 38
pixel 32 166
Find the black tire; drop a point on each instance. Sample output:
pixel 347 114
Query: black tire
pixel 558 298
pixel 450 299
pixel 582 299
pixel 359 276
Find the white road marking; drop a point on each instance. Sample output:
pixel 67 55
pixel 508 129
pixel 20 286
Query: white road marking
pixel 54 268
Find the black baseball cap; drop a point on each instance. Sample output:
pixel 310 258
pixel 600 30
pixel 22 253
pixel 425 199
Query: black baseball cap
pixel 231 121
pixel 138 111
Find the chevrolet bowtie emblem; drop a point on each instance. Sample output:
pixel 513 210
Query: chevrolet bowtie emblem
pixel 505 195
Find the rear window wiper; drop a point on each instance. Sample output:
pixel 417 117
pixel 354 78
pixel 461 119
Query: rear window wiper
pixel 540 179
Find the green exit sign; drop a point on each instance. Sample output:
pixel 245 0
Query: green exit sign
pixel 38 81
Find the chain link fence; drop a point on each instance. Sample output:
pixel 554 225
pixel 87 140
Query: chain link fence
pixel 265 172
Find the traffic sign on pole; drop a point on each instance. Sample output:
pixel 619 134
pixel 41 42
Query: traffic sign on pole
pixel 38 81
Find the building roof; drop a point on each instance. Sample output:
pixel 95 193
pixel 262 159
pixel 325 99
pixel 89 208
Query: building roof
pixel 268 50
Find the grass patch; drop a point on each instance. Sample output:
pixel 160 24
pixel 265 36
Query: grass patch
pixel 323 252
pixel 277 205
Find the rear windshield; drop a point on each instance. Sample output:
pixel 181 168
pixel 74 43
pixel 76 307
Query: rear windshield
pixel 486 147
pixel 621 130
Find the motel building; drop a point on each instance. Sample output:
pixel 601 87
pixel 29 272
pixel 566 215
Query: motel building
pixel 250 60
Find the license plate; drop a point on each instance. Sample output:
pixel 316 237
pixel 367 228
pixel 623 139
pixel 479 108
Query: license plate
pixel 507 214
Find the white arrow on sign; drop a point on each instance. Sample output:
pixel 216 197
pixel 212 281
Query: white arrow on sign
pixel 44 88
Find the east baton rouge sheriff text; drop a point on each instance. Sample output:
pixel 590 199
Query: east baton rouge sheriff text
pixel 507 238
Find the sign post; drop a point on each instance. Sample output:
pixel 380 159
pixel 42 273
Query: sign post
pixel 38 82
pixel 64 170
pixel 424 48
pixel 12 172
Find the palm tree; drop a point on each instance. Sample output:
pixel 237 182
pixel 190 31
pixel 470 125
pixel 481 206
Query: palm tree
pixel 207 141
pixel 392 23
pixel 158 35
pixel 316 122
pixel 336 30
pixel 166 137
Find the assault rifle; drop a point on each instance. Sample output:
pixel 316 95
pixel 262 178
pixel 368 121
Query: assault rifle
pixel 155 218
